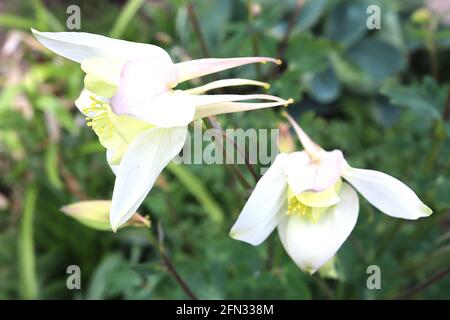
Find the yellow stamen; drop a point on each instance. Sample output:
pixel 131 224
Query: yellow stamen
pixel 288 102
pixel 312 205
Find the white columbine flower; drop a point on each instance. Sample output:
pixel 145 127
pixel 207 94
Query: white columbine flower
pixel 131 103
pixel 303 194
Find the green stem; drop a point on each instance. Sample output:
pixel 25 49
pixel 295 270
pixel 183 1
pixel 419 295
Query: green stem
pixel 437 140
pixel 388 237
pixel 126 15
pixel 431 280
pixel 26 254
pixel 168 263
pixel 197 29
pixel 432 49
pixel 326 290
pixel 255 39
pixel 234 169
pixel 243 154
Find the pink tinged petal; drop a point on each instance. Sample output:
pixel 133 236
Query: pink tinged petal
pixel 144 160
pixel 231 107
pixel 310 146
pixel 265 208
pixel 166 110
pixel 387 194
pixel 198 68
pixel 79 46
pixel 226 83
pixel 208 105
pixel 141 80
pixel 312 244
pixel 307 174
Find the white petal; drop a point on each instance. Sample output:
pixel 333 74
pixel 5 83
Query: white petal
pixel 142 80
pixel 171 109
pixel 79 46
pixel 265 208
pixel 311 244
pixel 109 157
pixel 144 160
pixel 107 70
pixel 387 193
pixel 306 174
pixel 198 68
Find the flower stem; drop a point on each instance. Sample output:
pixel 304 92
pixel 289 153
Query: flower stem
pixel 446 113
pixel 432 49
pixel 326 290
pixel 388 237
pixel 249 166
pixel 437 141
pixel 168 263
pixel 431 280
pixel 283 45
pixel 192 14
pixel 26 254
pixel 205 52
pixel 255 37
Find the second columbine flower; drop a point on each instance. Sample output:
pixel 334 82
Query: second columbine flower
pixel 303 195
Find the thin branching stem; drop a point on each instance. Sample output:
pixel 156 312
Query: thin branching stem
pixel 169 264
pixel 431 280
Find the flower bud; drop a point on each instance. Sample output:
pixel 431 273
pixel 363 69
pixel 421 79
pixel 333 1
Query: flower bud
pixel 286 142
pixel 95 214
pixel 421 16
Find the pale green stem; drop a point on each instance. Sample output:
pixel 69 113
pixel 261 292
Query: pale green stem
pixel 26 254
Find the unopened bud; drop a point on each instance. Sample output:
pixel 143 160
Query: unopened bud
pixel 254 9
pixel 95 214
pixel 286 143
pixel 421 16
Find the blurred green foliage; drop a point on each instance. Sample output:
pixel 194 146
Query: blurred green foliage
pixel 379 95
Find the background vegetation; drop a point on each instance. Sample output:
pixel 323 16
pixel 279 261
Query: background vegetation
pixel 381 96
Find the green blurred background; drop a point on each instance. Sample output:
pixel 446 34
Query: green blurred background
pixel 379 95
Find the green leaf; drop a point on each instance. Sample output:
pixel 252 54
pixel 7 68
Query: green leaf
pixel 307 53
pixel 354 78
pixel 112 278
pixel 346 23
pixel 199 191
pixel 53 105
pixel 127 14
pixel 310 14
pixel 324 86
pixel 45 20
pixel 423 98
pixel 13 21
pixel 377 58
